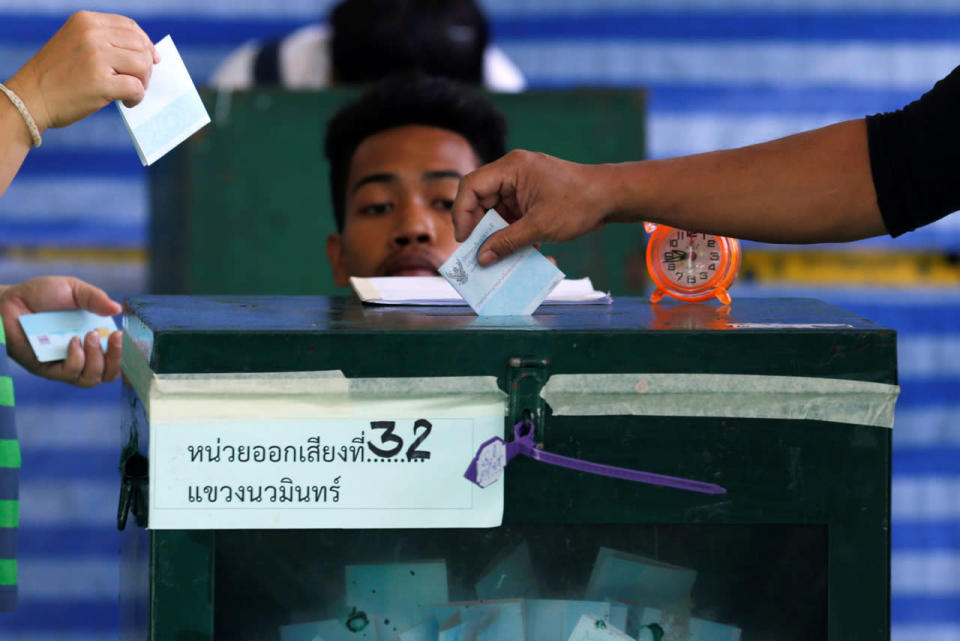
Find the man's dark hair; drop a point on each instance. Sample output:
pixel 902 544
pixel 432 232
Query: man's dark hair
pixel 372 39
pixel 410 99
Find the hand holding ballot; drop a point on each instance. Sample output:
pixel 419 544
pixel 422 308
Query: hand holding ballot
pixel 86 364
pixel 818 186
pixel 513 287
pixel 94 59
pixel 544 198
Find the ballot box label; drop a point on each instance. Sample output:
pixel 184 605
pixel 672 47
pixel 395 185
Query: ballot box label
pixel 342 472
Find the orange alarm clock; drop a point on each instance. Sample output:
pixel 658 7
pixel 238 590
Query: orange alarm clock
pixel 691 266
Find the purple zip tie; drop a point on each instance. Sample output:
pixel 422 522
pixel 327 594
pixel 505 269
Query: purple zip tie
pixel 493 455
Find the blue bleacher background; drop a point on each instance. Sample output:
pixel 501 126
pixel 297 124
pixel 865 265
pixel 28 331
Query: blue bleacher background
pixel 720 73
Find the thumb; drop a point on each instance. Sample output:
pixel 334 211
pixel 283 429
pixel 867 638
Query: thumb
pixel 508 240
pixel 94 299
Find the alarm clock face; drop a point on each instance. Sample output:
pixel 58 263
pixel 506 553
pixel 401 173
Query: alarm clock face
pixel 691 261
pixel 691 266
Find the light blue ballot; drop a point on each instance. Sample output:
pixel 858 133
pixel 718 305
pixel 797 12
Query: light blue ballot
pixel 483 620
pixel 636 579
pixel 509 576
pixel 556 618
pixel 514 286
pixel 397 592
pixel 452 629
pixel 590 629
pixel 429 630
pixel 171 109
pixel 648 622
pixel 49 333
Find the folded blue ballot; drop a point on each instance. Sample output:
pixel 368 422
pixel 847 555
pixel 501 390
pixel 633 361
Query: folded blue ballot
pixel 591 629
pixel 452 629
pixel 509 575
pixel 514 286
pixel 171 109
pixel 49 333
pixel 652 624
pixel 557 618
pixel 397 592
pixel 500 620
pixel 429 630
pixel 637 579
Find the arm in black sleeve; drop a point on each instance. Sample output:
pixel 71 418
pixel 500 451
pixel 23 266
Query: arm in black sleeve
pixel 915 158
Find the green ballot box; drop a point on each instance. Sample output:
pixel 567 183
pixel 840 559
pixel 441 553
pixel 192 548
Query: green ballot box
pixel 303 468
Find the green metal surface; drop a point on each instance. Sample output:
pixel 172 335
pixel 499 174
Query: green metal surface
pixel 244 206
pixel 798 548
pixel 181 585
pixel 273 333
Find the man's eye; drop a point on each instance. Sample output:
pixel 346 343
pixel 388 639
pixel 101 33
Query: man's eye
pixel 376 209
pixel 443 203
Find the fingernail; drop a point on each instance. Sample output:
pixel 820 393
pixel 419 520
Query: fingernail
pixel 486 257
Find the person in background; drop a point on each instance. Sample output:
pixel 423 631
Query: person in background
pixel 92 60
pixel 367 40
pixel 397 155
pixel 884 174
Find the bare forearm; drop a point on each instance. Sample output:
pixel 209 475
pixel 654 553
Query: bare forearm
pixel 808 188
pixel 15 142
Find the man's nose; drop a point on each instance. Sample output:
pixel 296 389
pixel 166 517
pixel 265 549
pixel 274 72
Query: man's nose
pixel 415 225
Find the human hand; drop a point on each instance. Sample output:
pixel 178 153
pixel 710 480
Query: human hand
pixel 86 365
pixel 94 59
pixel 545 199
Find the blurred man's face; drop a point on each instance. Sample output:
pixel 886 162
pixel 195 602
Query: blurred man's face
pixel 400 188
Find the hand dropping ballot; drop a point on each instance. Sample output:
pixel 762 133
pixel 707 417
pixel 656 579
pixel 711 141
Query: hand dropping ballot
pixel 49 333
pixel 171 110
pixel 514 286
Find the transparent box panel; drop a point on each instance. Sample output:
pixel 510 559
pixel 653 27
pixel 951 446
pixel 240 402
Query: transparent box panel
pixel 524 581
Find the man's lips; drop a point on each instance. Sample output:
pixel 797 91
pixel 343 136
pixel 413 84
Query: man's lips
pixel 409 265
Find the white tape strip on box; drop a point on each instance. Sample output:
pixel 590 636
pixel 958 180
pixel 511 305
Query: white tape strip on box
pixel 722 395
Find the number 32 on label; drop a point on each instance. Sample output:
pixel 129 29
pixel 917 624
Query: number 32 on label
pixel 391 443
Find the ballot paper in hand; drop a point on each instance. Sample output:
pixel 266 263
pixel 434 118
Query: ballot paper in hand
pixel 513 286
pixel 49 333
pixel 171 110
